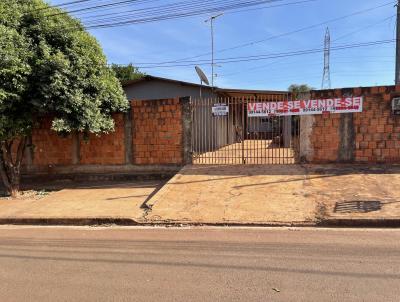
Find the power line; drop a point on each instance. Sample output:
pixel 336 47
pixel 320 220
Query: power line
pixel 251 43
pixel 173 9
pixel 60 5
pixel 119 3
pixel 266 56
pixel 86 18
pixel 175 13
pixel 92 7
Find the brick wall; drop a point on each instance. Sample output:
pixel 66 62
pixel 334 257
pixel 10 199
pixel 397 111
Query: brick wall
pixel 49 147
pixel 157 135
pixel 152 136
pixel 374 134
pixel 107 148
pixel 325 137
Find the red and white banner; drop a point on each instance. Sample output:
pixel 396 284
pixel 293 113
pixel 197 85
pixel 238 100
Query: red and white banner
pixel 305 107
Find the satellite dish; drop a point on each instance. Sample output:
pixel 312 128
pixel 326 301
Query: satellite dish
pixel 202 75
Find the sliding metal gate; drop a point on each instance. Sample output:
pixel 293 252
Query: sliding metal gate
pixel 223 133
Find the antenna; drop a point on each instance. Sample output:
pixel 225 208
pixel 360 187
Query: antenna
pixel 202 76
pixel 326 78
pixel 211 19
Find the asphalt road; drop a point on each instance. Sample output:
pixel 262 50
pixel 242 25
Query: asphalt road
pixel 131 264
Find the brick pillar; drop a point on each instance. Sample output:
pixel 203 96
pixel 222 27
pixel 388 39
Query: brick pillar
pixel 347 142
pixel 76 148
pixel 306 129
pixel 186 130
pixel 287 131
pixel 29 153
pixel 128 137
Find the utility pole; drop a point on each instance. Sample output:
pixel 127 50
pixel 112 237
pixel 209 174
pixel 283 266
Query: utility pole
pixel 326 78
pixel 397 81
pixel 211 20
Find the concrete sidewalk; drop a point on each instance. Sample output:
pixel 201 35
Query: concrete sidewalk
pixel 90 203
pixel 234 195
pixel 226 195
pixel 279 195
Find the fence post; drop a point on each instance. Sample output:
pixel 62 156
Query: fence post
pixel 244 132
pixel 76 148
pixel 128 131
pixel 186 130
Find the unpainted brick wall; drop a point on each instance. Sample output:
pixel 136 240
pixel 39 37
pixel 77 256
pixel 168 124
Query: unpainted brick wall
pixel 325 138
pixel 106 148
pixel 156 139
pixel 157 135
pixel 376 129
pixel 49 147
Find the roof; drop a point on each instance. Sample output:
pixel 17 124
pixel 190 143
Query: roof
pixel 151 78
pixel 225 91
pixel 249 91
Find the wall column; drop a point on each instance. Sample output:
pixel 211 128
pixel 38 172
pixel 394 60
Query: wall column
pixel 306 130
pixel 346 138
pixel 186 130
pixel 76 148
pixel 128 137
pixel 287 131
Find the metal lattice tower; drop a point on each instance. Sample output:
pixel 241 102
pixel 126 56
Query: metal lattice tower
pixel 326 78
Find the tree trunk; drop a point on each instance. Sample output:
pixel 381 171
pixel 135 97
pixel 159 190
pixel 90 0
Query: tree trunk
pixel 10 166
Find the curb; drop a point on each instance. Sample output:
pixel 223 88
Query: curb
pixel 334 223
pixel 132 222
pixel 68 221
pixel 361 222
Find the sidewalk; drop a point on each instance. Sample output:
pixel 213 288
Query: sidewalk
pixel 356 195
pixel 90 203
pixel 235 194
pixel 280 195
pixel 291 195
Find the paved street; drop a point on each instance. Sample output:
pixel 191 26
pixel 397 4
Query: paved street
pixel 137 264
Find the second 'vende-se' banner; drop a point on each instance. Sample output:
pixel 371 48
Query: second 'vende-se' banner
pixel 305 107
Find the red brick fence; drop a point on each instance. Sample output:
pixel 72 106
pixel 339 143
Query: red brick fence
pixel 371 136
pixel 151 136
pixel 155 135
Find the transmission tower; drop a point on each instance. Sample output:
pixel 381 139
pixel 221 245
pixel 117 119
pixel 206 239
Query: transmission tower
pixel 326 78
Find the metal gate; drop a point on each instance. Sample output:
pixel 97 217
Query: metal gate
pixel 223 133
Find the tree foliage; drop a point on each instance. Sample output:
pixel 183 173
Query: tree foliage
pixel 299 90
pixel 126 72
pixel 49 66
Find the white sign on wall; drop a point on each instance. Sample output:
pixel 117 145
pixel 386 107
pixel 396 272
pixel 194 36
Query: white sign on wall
pixel 305 107
pixel 220 110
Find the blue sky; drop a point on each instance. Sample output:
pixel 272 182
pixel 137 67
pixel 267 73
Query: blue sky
pixel 182 38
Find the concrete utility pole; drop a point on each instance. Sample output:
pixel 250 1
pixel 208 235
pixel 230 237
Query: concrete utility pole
pixel 397 81
pixel 211 20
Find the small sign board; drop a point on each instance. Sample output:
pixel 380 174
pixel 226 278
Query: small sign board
pixel 396 106
pixel 220 110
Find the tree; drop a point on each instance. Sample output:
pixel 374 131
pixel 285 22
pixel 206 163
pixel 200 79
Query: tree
pixel 126 72
pixel 49 66
pixel 299 90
